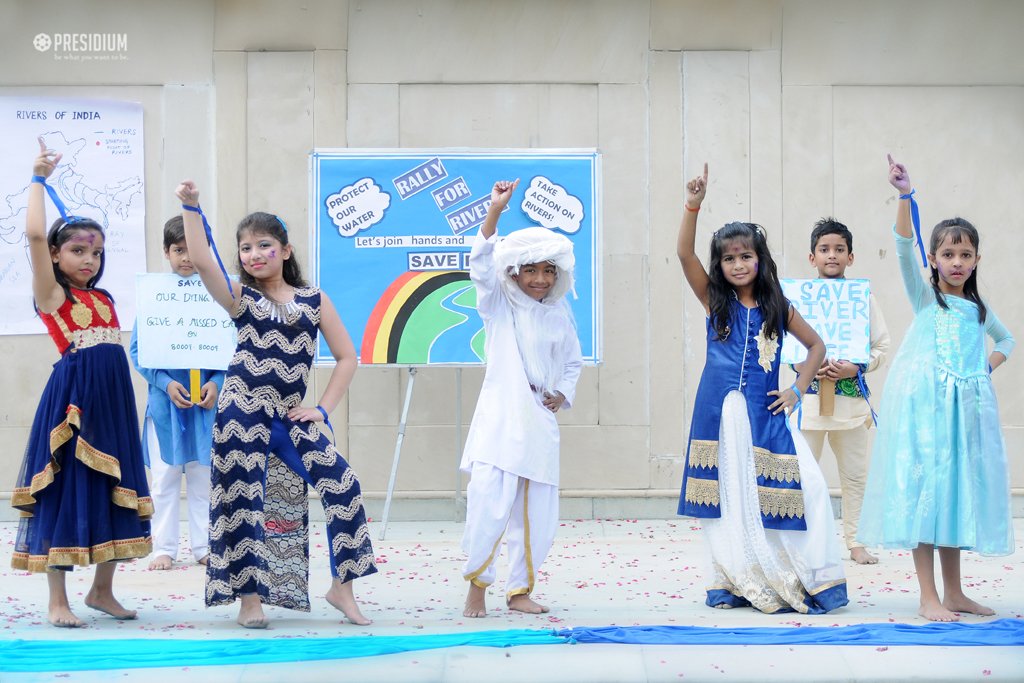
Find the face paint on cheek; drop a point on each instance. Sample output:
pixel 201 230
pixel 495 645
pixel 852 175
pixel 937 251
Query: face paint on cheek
pixel 273 253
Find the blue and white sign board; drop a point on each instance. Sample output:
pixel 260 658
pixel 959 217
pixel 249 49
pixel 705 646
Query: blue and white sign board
pixel 180 325
pixel 838 310
pixel 391 232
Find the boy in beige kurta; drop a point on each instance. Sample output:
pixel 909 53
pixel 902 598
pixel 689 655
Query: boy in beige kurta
pixel 846 423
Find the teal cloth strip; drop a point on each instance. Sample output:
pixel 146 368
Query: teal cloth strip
pixel 92 655
pixel 1002 632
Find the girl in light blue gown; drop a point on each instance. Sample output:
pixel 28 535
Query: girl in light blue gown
pixel 938 473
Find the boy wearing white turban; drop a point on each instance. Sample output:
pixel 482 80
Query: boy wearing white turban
pixel 533 362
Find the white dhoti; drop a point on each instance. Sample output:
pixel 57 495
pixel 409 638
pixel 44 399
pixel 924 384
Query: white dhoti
pixel 771 569
pixel 166 493
pixel 525 512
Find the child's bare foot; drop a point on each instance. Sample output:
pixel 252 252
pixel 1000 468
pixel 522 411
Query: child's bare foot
pixel 108 604
pixel 341 598
pixel 204 560
pixel 250 614
pixel 476 602
pixel 962 603
pixel 61 616
pixel 934 611
pixel 860 555
pixel 524 603
pixel 161 562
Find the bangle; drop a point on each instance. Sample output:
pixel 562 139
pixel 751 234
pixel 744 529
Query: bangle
pixel 908 195
pixel 322 412
pixel 687 207
pixel 799 394
pixel 39 179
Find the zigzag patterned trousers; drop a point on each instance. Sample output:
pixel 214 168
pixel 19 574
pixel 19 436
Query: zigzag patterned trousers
pixel 258 512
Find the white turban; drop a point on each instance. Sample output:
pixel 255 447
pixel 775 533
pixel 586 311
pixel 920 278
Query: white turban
pixel 537 245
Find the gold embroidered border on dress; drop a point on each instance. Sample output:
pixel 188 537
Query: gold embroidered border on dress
pixel 124 549
pixel 62 433
pixel 775 466
pixel 94 336
pixel 96 459
pixel 825 586
pixel 781 502
pixel 127 498
pixel 703 453
pixel 702 491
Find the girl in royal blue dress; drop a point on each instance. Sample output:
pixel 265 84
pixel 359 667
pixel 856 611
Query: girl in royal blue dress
pixel 762 500
pixel 82 488
pixel 266 446
pixel 938 472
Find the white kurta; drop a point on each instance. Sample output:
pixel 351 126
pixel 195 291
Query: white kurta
pixel 511 428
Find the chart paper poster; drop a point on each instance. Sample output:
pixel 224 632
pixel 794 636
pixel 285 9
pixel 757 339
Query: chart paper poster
pixel 180 325
pixel 838 310
pixel 391 232
pixel 100 176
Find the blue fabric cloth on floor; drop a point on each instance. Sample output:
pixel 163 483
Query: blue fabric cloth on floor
pixel 991 633
pixel 92 655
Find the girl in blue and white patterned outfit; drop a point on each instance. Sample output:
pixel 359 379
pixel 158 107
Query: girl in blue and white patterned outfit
pixel 266 446
pixel 760 495
pixel 938 471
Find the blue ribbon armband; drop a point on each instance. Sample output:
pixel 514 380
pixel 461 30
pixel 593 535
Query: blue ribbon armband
pixel 799 395
pixel 213 246
pixel 55 198
pixel 327 420
pixel 915 217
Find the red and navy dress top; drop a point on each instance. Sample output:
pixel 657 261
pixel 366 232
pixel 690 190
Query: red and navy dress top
pixel 88 321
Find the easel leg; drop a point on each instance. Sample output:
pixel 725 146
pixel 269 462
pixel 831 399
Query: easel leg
pixel 398 453
pixel 460 500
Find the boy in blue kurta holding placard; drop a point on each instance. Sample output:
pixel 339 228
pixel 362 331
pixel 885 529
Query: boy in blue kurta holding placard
pixel 843 414
pixel 177 433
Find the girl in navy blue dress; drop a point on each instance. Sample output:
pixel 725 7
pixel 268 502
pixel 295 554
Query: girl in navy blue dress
pixel 763 502
pixel 266 446
pixel 82 489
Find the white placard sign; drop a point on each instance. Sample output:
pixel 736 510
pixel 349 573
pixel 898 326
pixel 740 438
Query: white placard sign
pixel 839 312
pixel 180 325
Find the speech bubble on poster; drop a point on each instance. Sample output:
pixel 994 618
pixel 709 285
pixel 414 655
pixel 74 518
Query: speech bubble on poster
pixel 358 206
pixel 552 206
pixel 838 310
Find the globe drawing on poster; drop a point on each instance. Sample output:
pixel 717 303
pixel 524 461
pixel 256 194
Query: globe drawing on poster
pixel 100 176
pixel 392 232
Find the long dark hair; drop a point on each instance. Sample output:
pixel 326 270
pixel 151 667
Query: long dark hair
pixel 767 290
pixel 958 229
pixel 263 223
pixel 60 232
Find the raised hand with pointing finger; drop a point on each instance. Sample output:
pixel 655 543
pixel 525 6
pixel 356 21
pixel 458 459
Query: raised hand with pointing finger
pixel 696 189
pixel 898 176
